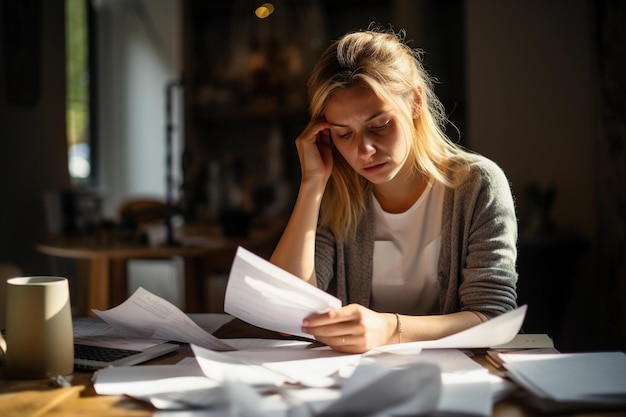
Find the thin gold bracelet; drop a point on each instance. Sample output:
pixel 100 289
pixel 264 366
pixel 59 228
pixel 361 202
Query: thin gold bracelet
pixel 399 327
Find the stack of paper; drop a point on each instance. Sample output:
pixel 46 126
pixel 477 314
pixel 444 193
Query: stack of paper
pixel 522 343
pixel 597 378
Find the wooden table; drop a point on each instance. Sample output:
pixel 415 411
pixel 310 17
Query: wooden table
pixel 108 267
pixel 203 249
pixel 21 398
pixel 39 397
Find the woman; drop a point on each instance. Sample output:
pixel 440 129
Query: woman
pixel 415 235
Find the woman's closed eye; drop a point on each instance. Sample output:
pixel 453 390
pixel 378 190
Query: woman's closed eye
pixel 343 135
pixel 381 126
pixel 346 134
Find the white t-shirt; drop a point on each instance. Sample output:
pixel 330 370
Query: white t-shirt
pixel 406 252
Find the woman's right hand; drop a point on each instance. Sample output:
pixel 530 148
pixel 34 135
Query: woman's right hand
pixel 314 147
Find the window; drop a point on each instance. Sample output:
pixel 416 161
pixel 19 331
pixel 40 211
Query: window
pixel 80 140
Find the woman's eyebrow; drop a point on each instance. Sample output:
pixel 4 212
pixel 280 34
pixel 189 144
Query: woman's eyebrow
pixel 375 115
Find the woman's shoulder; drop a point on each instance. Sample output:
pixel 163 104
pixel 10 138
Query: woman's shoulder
pixel 484 186
pixel 481 171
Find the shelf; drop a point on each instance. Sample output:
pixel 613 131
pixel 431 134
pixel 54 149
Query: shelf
pixel 247 114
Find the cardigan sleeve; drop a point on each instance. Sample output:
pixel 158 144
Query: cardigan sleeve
pixel 345 269
pixel 484 232
pixel 324 258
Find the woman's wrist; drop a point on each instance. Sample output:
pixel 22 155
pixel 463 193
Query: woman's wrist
pixel 313 185
pixel 398 327
pixel 393 334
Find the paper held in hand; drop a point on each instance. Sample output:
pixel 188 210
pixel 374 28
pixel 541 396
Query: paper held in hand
pixel 267 296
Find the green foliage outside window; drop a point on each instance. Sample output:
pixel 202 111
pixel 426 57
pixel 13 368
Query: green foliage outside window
pixel 77 85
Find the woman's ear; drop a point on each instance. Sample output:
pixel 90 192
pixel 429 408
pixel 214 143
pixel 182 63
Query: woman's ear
pixel 417 103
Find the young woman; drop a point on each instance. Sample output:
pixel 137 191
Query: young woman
pixel 415 235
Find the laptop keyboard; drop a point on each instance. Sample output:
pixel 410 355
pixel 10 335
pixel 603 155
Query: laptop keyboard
pixel 100 353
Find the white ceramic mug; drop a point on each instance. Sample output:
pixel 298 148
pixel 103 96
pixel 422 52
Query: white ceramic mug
pixel 39 336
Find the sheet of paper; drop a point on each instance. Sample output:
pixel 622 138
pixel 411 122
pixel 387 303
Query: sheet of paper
pixel 232 398
pixel 220 368
pixel 276 365
pixel 185 388
pixel 94 326
pixel 152 379
pixel 375 389
pixel 267 296
pixel 593 376
pixel 176 387
pixel 466 394
pixel 245 344
pixel 466 386
pixel 210 322
pixel 496 331
pixel 147 315
pixel 96 332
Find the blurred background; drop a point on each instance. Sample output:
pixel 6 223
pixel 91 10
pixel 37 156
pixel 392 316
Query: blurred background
pixel 197 104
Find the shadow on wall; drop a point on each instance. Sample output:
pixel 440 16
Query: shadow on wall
pixel 549 262
pixel 7 270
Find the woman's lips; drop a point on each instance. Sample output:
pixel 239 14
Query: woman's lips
pixel 374 168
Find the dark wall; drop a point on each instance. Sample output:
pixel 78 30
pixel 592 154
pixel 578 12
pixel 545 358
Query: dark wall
pixel 546 101
pixel 33 147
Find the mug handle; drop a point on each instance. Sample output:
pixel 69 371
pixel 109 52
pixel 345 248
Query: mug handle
pixel 3 348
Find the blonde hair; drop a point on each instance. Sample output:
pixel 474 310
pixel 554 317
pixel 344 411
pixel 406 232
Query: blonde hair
pixel 381 61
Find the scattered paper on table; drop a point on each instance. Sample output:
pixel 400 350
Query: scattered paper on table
pixel 466 386
pixel 275 366
pixel 375 389
pixel 150 379
pixel 147 315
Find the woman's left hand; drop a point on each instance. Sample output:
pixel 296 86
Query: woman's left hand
pixel 352 328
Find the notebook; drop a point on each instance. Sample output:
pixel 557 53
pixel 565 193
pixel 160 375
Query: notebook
pixel 88 357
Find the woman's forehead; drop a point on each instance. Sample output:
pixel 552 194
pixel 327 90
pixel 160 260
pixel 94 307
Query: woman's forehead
pixel 354 102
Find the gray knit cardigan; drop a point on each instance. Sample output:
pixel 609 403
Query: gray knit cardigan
pixel 477 262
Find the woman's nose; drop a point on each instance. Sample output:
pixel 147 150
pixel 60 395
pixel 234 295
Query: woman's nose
pixel 366 146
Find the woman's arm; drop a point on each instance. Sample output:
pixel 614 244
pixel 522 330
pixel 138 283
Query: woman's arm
pixel 295 251
pixel 417 328
pixel 357 329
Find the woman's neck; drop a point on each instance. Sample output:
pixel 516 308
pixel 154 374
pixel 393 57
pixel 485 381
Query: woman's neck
pixel 399 195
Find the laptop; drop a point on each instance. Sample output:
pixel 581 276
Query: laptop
pixel 97 345
pixel 90 357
